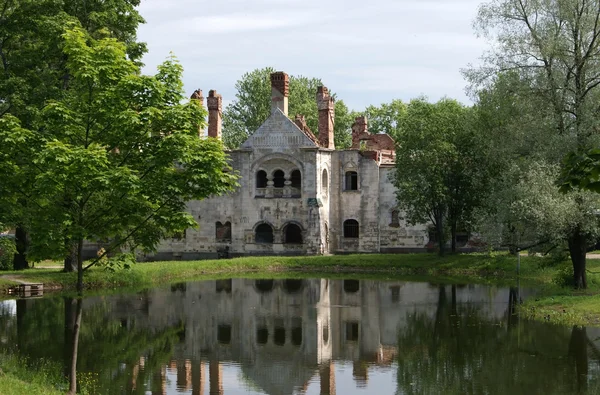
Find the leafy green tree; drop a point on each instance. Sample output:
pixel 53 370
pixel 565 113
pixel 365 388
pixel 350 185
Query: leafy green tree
pixel 439 172
pixel 252 107
pixel 33 69
pixel 553 47
pixel 115 158
pixel 386 118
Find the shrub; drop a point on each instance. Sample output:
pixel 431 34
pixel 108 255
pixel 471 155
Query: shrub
pixel 564 276
pixel 8 250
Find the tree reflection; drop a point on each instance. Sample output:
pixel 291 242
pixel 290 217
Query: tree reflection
pixel 462 350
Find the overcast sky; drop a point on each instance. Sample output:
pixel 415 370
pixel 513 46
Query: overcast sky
pixel 367 51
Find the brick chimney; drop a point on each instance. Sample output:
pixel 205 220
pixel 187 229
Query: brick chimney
pixel 214 103
pixel 326 106
pixel 280 91
pixel 359 128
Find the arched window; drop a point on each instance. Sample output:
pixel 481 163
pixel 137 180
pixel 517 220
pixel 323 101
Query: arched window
pixel 351 181
pixel 351 228
pixel 296 179
pixel 264 234
pixel 292 234
pixel 261 179
pixel 223 232
pixel 278 179
pixel 395 223
pixel 324 181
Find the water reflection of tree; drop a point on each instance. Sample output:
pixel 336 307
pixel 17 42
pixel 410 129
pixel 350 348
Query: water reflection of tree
pixel 460 350
pixel 45 329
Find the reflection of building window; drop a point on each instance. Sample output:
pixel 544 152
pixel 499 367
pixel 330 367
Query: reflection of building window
pixel 223 286
pixel 224 334
pixel 351 286
pixel 351 181
pixel 297 336
pixel 395 222
pixel 351 228
pixel 262 335
pixel 351 331
pixel 395 293
pixel 279 336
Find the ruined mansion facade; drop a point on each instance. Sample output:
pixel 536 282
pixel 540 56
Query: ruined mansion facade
pixel 297 194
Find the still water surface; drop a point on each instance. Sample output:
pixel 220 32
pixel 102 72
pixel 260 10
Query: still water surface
pixel 318 336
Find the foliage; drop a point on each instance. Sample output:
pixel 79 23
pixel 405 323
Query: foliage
pixel 33 71
pixel 118 262
pixel 386 118
pixel 440 171
pixel 116 158
pixel 548 52
pixel 7 252
pixel 581 171
pixel 252 107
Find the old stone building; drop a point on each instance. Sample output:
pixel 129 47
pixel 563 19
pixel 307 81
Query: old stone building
pixel 297 194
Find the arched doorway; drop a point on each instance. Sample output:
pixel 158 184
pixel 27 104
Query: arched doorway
pixel 292 234
pixel 263 234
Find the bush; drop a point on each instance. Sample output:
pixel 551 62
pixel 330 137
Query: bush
pixel 8 249
pixel 564 276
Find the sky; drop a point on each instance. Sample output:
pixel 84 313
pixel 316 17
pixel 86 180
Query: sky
pixel 366 51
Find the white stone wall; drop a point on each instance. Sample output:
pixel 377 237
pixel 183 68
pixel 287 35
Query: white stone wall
pixel 319 207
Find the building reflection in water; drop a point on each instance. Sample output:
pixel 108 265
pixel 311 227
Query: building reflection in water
pixel 285 333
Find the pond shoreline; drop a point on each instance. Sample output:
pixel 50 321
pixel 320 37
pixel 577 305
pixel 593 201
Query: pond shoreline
pixel 554 303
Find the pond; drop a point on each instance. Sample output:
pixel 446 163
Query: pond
pixel 309 336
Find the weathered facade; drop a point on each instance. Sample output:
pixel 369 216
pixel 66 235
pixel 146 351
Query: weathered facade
pixel 298 194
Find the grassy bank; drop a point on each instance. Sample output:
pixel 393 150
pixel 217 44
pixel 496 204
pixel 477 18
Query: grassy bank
pixel 19 377
pixel 554 303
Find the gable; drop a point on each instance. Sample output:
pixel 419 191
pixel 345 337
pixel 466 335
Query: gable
pixel 278 131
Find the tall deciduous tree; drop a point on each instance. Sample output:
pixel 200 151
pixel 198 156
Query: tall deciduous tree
pixel 554 48
pixel 33 65
pixel 252 107
pixel 115 158
pixel 440 175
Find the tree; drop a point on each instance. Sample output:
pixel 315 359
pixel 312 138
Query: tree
pixel 386 118
pixel 439 173
pixel 115 158
pixel 252 107
pixel 553 47
pixel 33 68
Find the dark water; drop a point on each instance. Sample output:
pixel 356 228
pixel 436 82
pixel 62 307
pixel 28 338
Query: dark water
pixel 307 337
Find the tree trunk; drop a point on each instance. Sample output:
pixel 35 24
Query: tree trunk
pixel 577 249
pixel 73 373
pixel 578 351
pixel 439 228
pixel 80 265
pixel 453 233
pixel 20 259
pixel 70 262
pixel 70 321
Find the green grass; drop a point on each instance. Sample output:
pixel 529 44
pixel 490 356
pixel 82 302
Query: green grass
pixel 21 377
pixel 554 303
pixel 467 266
